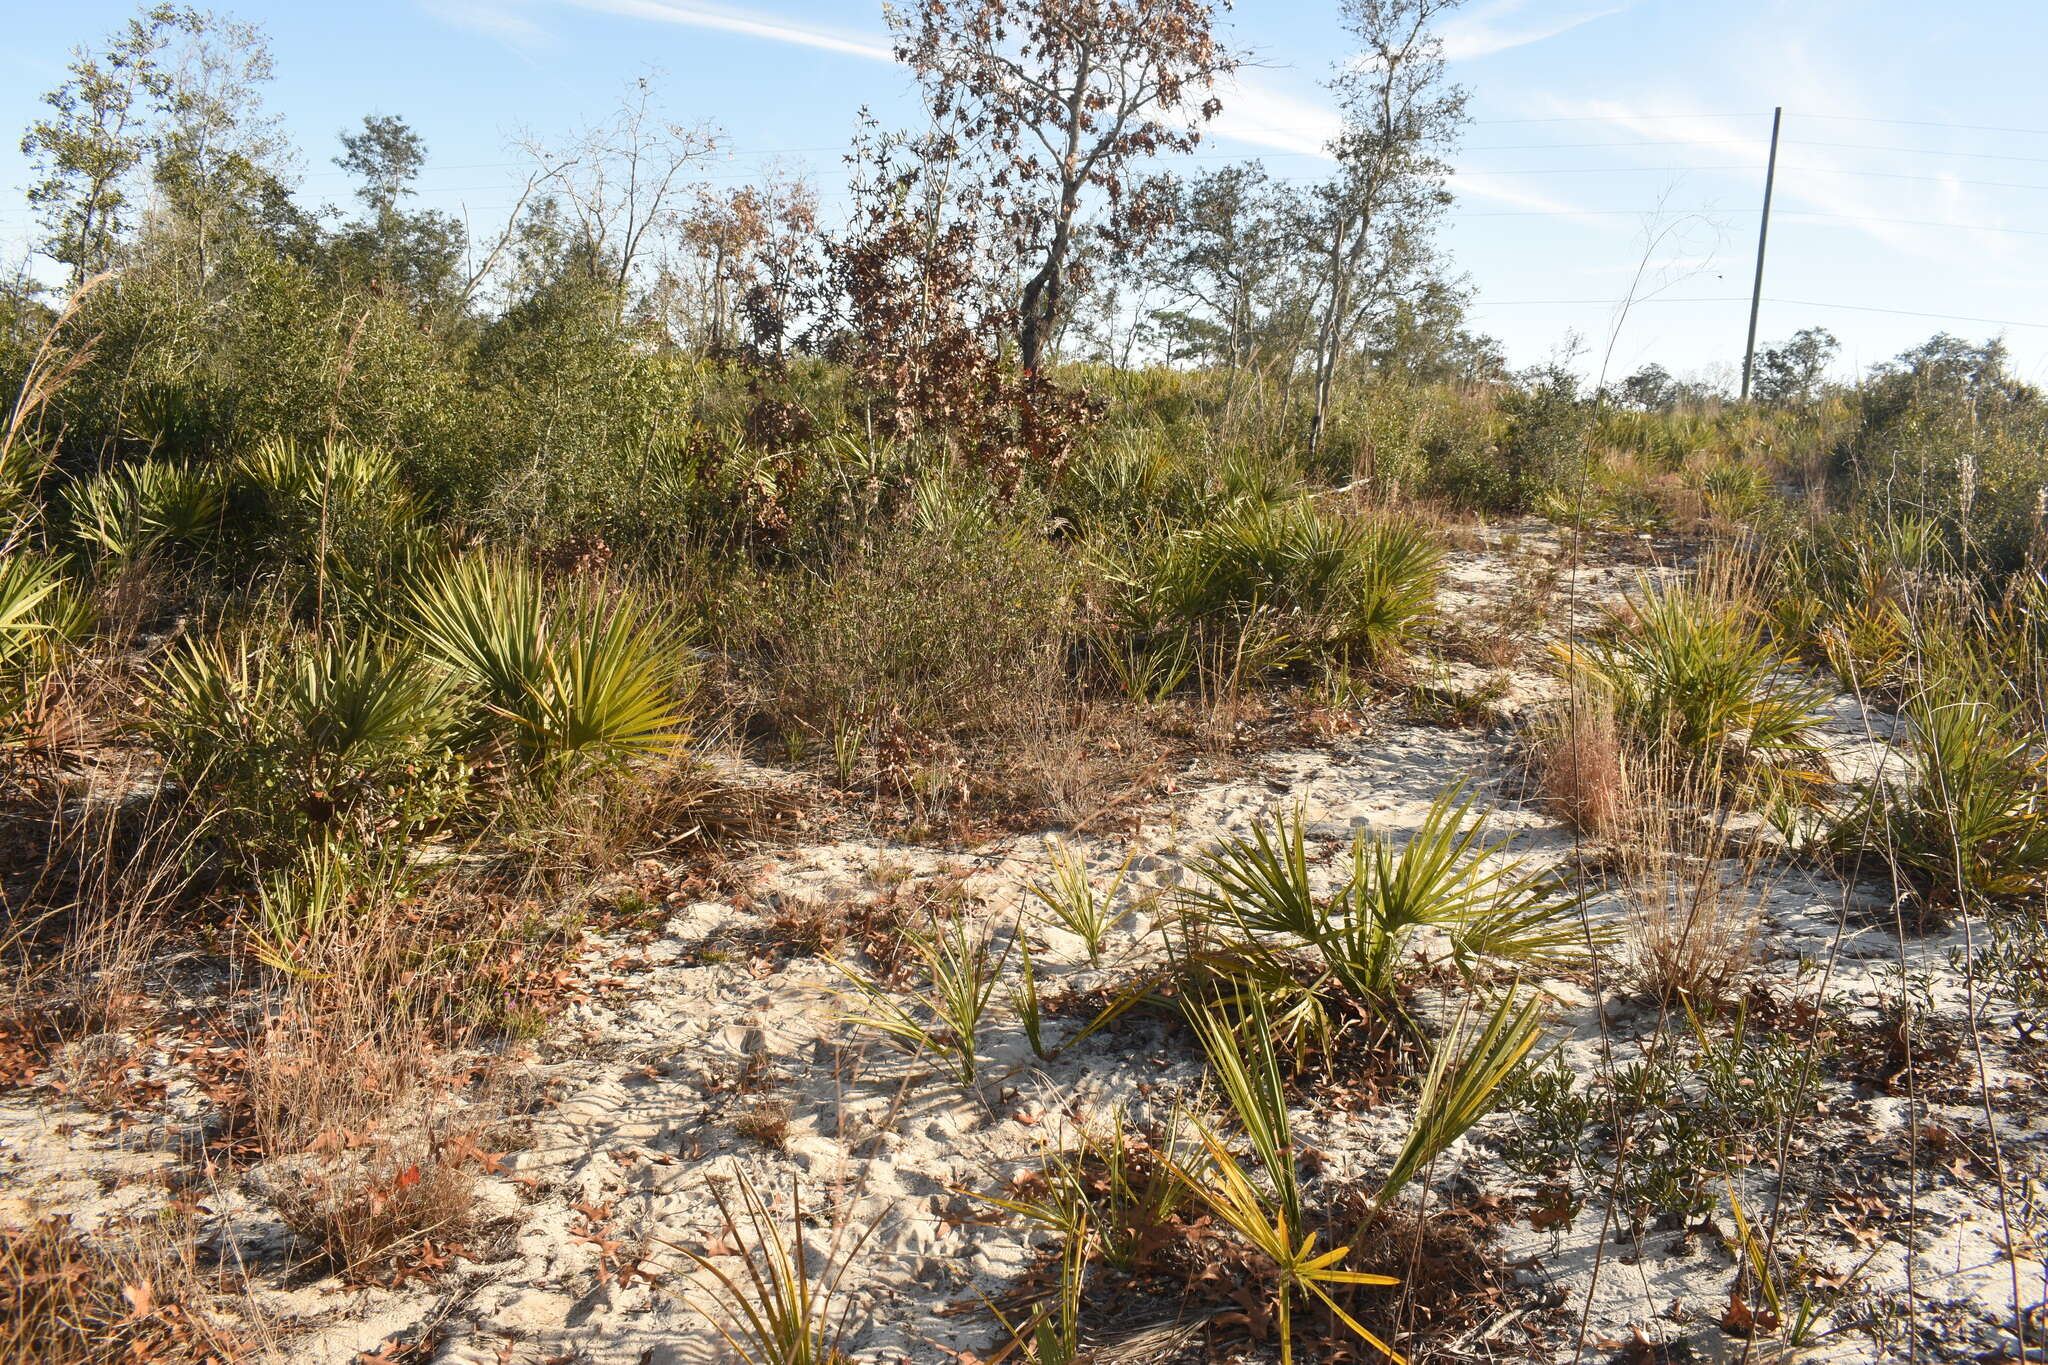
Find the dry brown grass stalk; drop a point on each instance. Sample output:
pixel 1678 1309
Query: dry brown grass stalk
pixel 1692 890
pixel 121 1295
pixel 1578 766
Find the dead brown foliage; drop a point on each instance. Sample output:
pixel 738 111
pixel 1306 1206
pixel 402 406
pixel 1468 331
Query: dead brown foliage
pixel 66 1299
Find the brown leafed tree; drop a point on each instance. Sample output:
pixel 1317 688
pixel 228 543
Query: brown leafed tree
pixel 913 306
pixel 745 254
pixel 1064 96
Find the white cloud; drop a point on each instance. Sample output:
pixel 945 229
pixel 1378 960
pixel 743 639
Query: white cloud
pixel 1821 179
pixel 505 22
pixel 1486 186
pixel 1255 112
pixel 1261 115
pixel 1488 29
pixel 750 23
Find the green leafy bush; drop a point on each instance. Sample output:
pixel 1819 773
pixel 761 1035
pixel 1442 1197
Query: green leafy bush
pixel 286 742
pixel 1948 434
pixel 573 681
pixel 1542 444
pixel 1290 578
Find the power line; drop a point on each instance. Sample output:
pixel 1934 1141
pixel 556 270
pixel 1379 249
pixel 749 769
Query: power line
pixel 1604 303
pixel 1719 209
pixel 1928 123
pixel 1483 304
pixel 1910 313
pixel 1918 151
pixel 1926 179
pixel 1916 222
pixel 1610 118
pixel 1623 115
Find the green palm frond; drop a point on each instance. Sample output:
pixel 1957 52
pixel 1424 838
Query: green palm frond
pixel 1692 674
pixel 1463 1084
pixel 778 1310
pixel 40 618
pixel 585 680
pixel 1240 1052
pixel 1447 876
pixel 125 512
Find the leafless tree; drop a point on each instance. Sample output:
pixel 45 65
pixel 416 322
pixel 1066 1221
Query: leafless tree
pixel 1370 226
pixel 619 181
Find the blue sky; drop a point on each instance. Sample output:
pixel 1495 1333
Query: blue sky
pixel 1913 177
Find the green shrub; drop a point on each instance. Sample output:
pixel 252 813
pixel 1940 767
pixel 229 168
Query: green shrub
pixel 1946 433
pixel 1691 675
pixel 286 742
pixel 1969 823
pixel 1543 446
pixel 572 681
pixel 1281 581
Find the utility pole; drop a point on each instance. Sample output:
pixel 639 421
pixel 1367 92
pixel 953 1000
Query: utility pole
pixel 1763 236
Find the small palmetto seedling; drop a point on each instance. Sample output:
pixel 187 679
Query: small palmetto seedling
pixel 1112 1187
pixel 778 1310
pixel 1463 1085
pixel 294 907
pixel 964 970
pixel 1240 1052
pixel 1052 1334
pixel 1447 876
pixel 1030 1010
pixel 1071 895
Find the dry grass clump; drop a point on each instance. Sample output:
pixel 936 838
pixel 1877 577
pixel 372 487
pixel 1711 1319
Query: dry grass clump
pixel 1692 894
pixel 679 805
pixel 94 885
pixel 353 1117
pixel 765 1121
pixel 1689 886
pixel 1576 763
pixel 381 1216
pixel 66 1299
pixel 364 1096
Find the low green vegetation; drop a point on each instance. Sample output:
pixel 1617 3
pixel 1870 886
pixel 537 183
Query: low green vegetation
pixel 376 599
